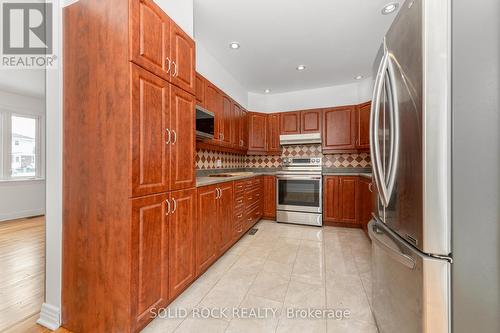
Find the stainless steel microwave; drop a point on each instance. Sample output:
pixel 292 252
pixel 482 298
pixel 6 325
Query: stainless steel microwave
pixel 205 123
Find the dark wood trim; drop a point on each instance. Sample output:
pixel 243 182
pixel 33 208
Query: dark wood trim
pixel 342 224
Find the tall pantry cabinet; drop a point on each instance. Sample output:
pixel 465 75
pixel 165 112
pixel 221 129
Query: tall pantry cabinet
pixel 129 197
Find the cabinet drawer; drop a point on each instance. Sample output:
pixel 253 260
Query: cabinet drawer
pixel 239 200
pixel 239 186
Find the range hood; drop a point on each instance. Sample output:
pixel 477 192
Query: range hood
pixel 300 139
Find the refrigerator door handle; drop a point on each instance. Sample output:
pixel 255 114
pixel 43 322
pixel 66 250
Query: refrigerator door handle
pixel 374 120
pixel 400 257
pixel 394 123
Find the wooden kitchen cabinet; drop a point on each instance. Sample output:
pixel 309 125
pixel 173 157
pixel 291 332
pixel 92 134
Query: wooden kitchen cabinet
pixel 290 122
pixel 269 203
pixel 339 129
pixel 150 117
pixel 363 126
pixel 200 91
pixel 149 258
pixel 206 230
pixel 159 45
pixel 214 104
pixel 182 232
pixel 257 133
pixel 273 133
pixel 365 202
pixel 183 140
pixel 182 54
pixel 150 37
pixel 311 121
pixel 225 121
pixel 225 207
pixel 340 200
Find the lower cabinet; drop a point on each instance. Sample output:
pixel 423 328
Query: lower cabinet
pixel 339 200
pixel 150 257
pixel 365 202
pixel 206 228
pixel 269 204
pixel 225 216
pixel 182 231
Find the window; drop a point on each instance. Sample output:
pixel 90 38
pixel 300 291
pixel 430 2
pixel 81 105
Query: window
pixel 21 146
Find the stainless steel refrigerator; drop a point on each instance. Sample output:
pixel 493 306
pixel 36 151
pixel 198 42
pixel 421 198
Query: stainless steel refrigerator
pixel 410 132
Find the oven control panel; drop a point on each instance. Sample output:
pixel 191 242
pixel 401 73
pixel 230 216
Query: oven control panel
pixel 302 162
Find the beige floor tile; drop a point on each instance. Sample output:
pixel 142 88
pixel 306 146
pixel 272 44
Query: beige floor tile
pixel 293 323
pixel 350 326
pixel 283 269
pixel 205 325
pixel 266 323
pixel 269 285
pixel 163 325
pixel 305 295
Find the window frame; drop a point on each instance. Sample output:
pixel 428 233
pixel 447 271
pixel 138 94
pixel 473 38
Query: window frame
pixel 6 115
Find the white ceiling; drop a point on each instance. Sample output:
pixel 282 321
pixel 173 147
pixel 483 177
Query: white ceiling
pixel 336 39
pixel 27 82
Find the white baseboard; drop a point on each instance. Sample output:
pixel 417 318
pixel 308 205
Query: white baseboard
pixel 21 215
pixel 50 317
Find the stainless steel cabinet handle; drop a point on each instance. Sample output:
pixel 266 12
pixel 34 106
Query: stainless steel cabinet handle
pixel 175 137
pixel 168 136
pixel 168 207
pixel 175 205
pixel 240 216
pixel 169 64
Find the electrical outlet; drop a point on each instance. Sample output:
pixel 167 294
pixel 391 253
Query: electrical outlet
pixel 218 163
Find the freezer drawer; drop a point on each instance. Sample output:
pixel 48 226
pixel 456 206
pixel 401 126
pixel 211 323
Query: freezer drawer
pixel 411 291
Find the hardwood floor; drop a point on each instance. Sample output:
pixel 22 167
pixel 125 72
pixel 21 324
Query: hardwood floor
pixel 22 267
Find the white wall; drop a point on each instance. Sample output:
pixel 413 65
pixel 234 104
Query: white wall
pixel 213 71
pixel 181 11
pixel 347 94
pixel 21 198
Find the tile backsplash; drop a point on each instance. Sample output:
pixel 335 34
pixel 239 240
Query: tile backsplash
pixel 207 159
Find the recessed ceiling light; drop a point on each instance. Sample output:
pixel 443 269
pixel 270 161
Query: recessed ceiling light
pixel 359 77
pixel 301 67
pixel 267 91
pixel 234 45
pixel 390 8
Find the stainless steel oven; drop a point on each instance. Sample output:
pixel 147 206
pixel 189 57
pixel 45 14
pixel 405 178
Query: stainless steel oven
pixel 299 192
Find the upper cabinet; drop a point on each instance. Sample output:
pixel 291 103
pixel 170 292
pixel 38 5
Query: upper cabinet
pixel 311 121
pixel 183 59
pixel 214 104
pixel 160 46
pixel 225 121
pixel 257 124
pixel 290 122
pixel 339 129
pixel 273 133
pixel 363 126
pixel 200 86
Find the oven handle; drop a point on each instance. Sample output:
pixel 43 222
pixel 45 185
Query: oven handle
pixel 299 177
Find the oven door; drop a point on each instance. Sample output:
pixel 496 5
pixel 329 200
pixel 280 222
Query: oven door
pixel 299 193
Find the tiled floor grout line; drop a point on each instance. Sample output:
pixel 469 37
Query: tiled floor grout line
pixel 287 287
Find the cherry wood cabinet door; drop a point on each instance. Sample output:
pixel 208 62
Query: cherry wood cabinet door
pixel 150 37
pixel 257 124
pixel 331 199
pixel 214 104
pixel 183 141
pixel 290 122
pixel 236 125
pixel 150 107
pixel 182 71
pixel 363 126
pixel 206 228
pixel 339 129
pixel 150 257
pixel 200 90
pixel 269 202
pixel 365 202
pixel 227 110
pixel 182 227
pixel 348 199
pixel 311 121
pixel 225 217
pixel 244 129
pixel 273 133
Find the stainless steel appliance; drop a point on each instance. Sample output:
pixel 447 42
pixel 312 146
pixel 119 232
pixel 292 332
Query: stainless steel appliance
pixel 300 139
pixel 205 123
pixel 299 191
pixel 410 145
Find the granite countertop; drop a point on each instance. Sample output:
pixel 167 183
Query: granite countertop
pixel 203 178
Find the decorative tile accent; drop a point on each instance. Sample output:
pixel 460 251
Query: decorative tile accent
pixel 207 159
